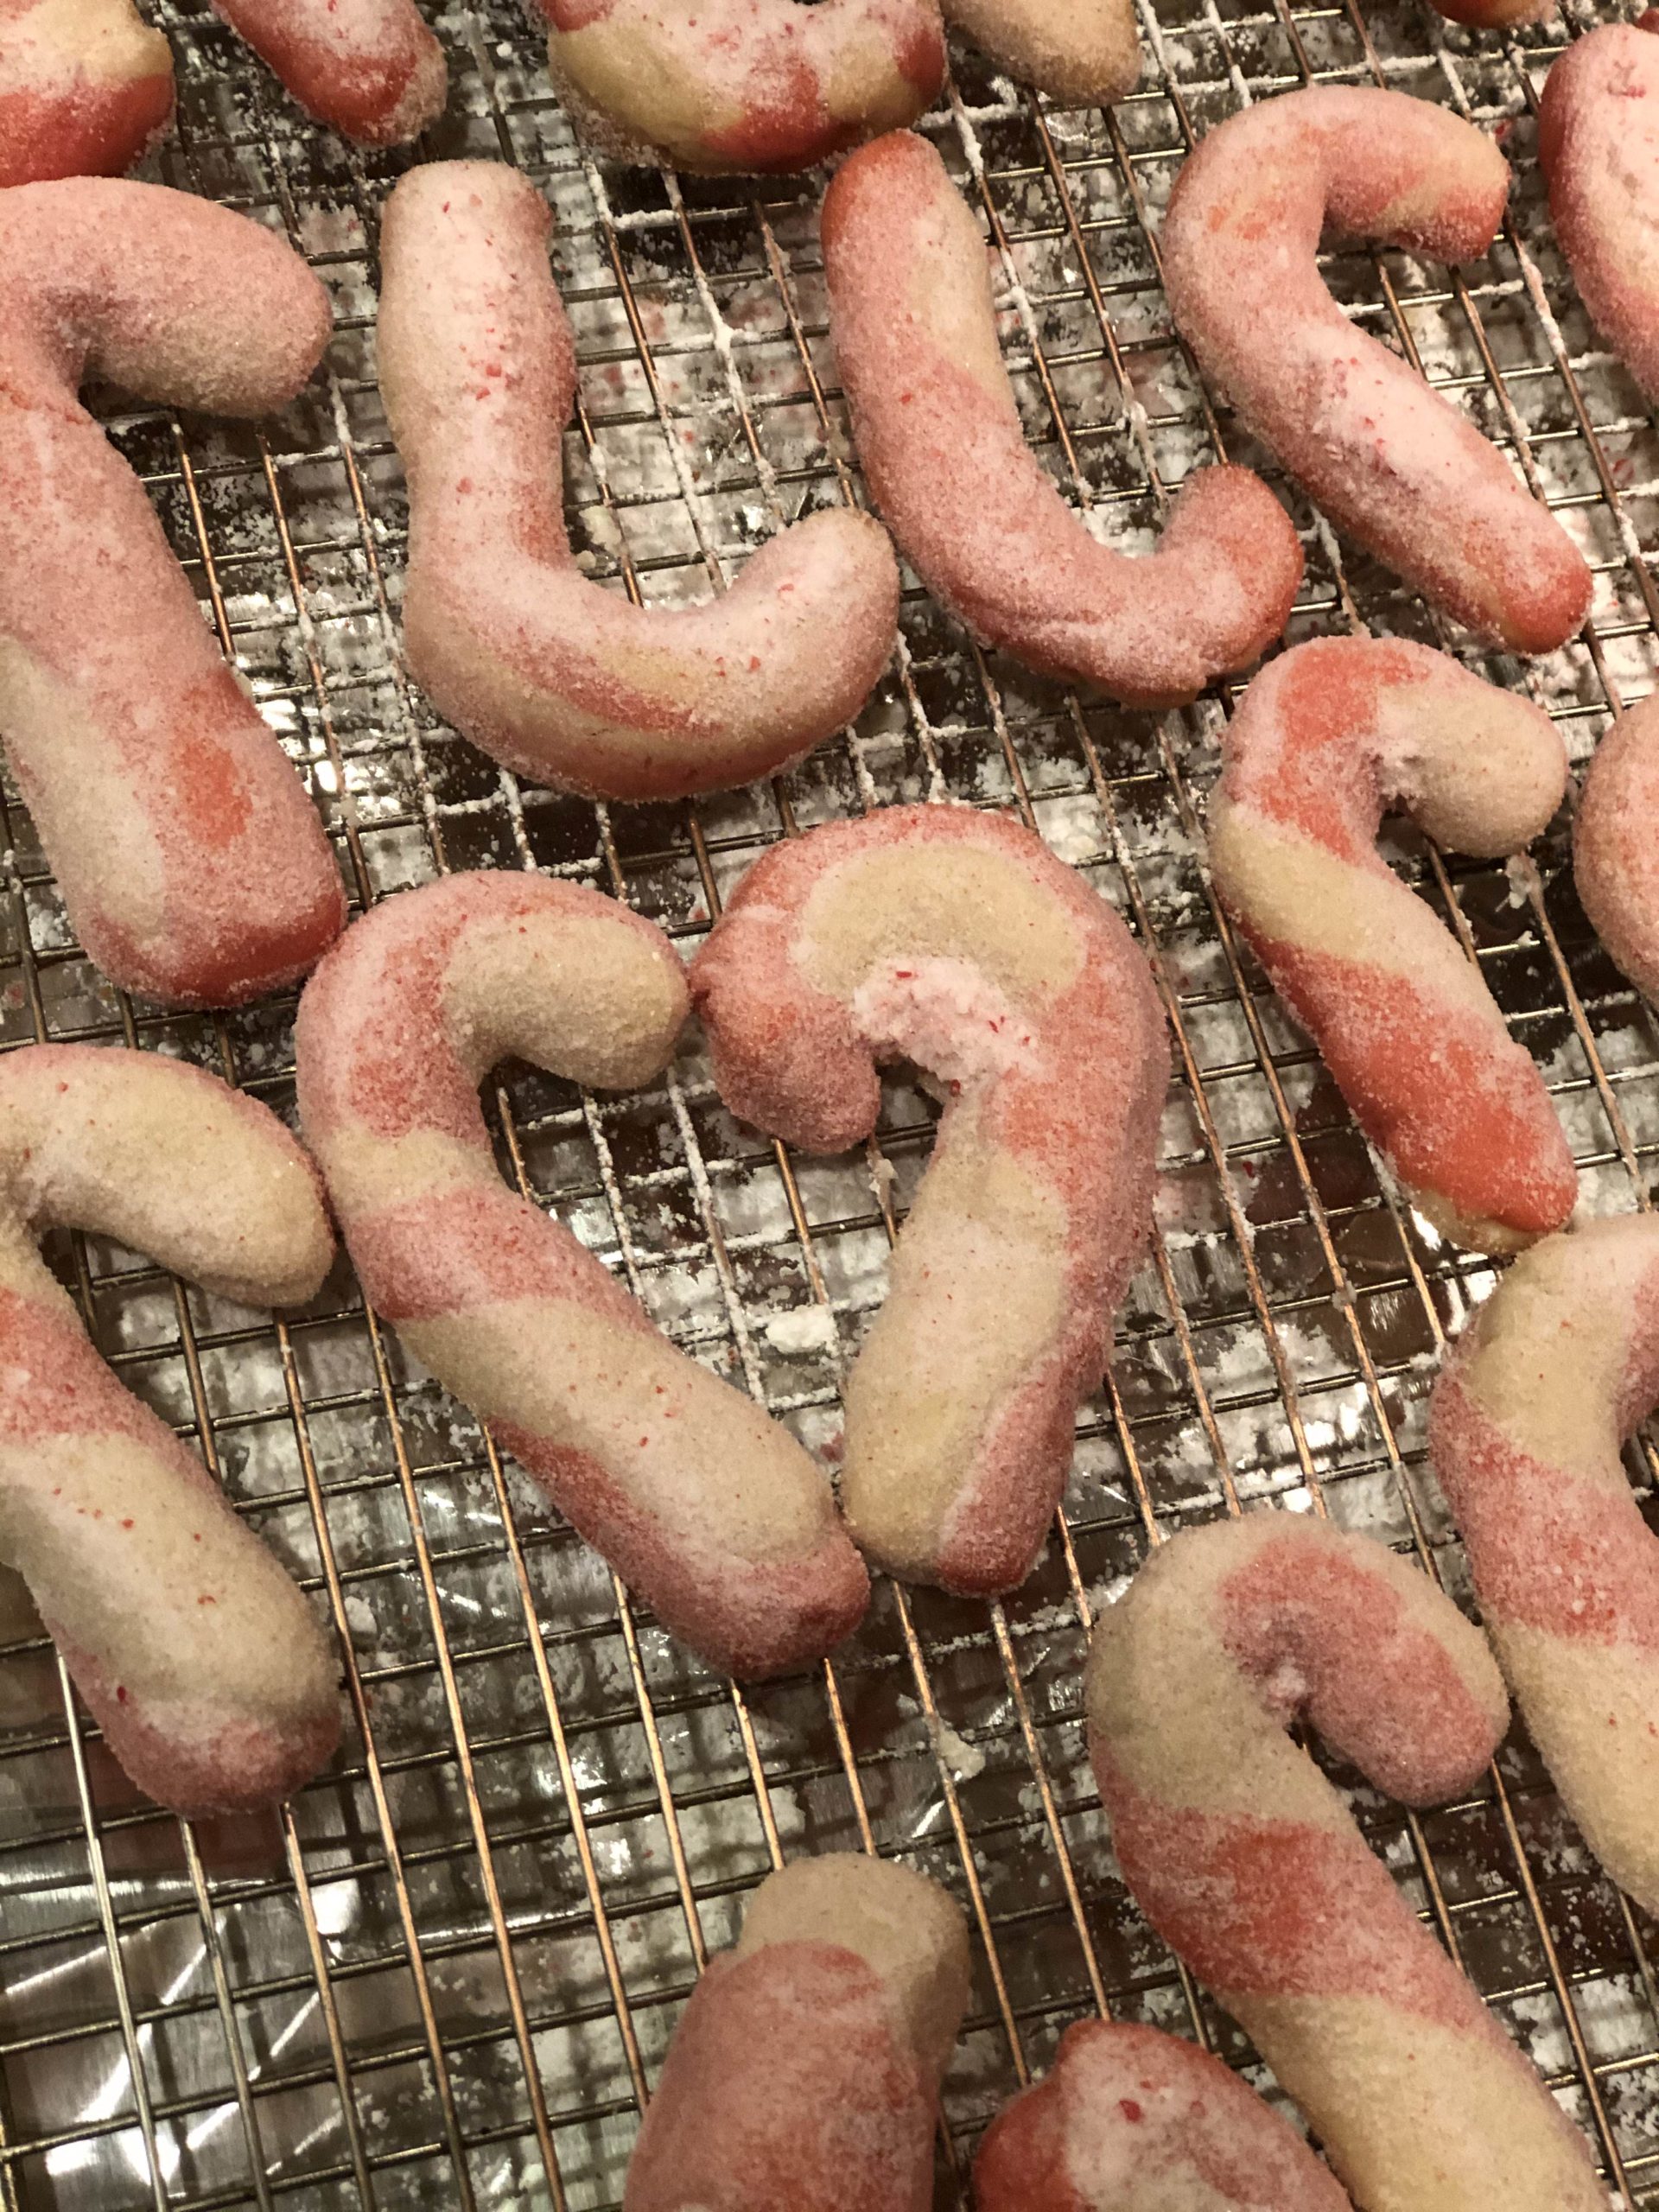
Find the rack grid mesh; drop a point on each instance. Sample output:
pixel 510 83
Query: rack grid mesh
pixel 447 1976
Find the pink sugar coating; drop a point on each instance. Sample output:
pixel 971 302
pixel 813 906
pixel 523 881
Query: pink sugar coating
pixel 1230 1632
pixel 1317 750
pixel 1598 145
pixel 1559 1549
pixel 570 684
pixel 1077 1105
pixel 976 513
pixel 1260 1905
pixel 192 864
pixel 379 1049
pixel 744 85
pixel 1393 465
pixel 387 1045
pixel 1130 2118
pixel 1370 1652
pixel 370 68
pixel 58 118
pixel 229 1201
pixel 1085 53
pixel 1615 849
pixel 804 2075
pixel 787 2084
pixel 1549 1550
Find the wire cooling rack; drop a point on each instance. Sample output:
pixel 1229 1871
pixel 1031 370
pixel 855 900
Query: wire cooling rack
pixel 447 1976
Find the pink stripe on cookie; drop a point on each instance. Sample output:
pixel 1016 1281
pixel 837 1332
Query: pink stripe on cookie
pixel 199 1658
pixel 1394 466
pixel 957 940
pixel 1325 740
pixel 709 1511
pixel 1527 1420
pixel 191 862
pixel 1247 1862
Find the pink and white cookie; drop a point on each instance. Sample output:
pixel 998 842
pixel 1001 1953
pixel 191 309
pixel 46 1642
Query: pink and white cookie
pixel 709 1511
pixel 1324 740
pixel 1131 2120
pixel 982 522
pixel 957 940
pixel 1086 52
pixel 1393 465
pixel 805 2071
pixel 201 1661
pixel 191 862
pixel 567 682
pixel 1555 1371
pixel 1248 1864
pixel 1615 843
pixel 369 69
pixel 85 87
pixel 1599 146
pixel 743 86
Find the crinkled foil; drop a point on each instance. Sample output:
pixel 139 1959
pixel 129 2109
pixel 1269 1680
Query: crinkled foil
pixel 446 1978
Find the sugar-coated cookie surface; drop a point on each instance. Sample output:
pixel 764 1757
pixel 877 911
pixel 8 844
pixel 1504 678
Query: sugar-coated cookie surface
pixel 939 437
pixel 1086 51
pixel 199 1659
pixel 1246 1861
pixel 1403 471
pixel 957 940
pixel 709 1510
pixel 805 2071
pixel 1527 1420
pixel 1131 2120
pixel 1598 145
pixel 369 68
pixel 568 684
pixel 1325 739
pixel 1494 15
pixel 84 86
pixel 735 87
pixel 1615 843
pixel 191 862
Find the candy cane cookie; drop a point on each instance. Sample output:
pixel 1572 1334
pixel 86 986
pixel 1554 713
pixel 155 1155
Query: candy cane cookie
pixel 742 86
pixel 84 86
pixel 368 68
pixel 941 443
pixel 1599 146
pixel 1392 462
pixel 1324 739
pixel 1085 53
pixel 192 864
pixel 957 940
pixel 805 2075
pixel 709 1511
pixel 563 681
pixel 1553 1374
pixel 1615 852
pixel 1131 2120
pixel 198 1658
pixel 1248 1866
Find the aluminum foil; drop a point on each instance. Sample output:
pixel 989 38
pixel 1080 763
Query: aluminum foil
pixel 447 1976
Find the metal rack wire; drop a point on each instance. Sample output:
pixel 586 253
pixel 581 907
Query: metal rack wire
pixel 447 1976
